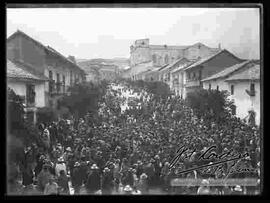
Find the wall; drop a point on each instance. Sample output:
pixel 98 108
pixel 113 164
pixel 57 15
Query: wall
pixel 198 50
pixel 243 101
pixel 40 94
pixel 214 83
pixel 140 55
pixel 13 51
pixel 173 54
pixel 19 88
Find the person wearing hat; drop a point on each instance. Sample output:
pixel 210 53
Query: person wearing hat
pixel 44 176
pixel 149 169
pixel 51 188
pixel 107 181
pixel 62 182
pixel 164 175
pixel 128 190
pixel 46 139
pixel 237 190
pixel 93 182
pixel 60 165
pixel 143 184
pixel 76 178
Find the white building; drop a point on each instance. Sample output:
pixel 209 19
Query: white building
pixel 242 81
pixel 28 85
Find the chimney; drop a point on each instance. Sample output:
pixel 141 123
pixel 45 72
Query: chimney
pixel 72 58
pixel 219 46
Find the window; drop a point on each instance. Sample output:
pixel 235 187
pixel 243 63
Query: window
pixel 50 75
pixel 71 75
pixel 64 82
pixel 217 88
pixel 51 83
pixel 30 94
pixel 166 59
pixel 154 58
pixel 252 87
pixel 200 74
pixel 57 82
pixel 209 87
pixel 194 75
pixel 232 89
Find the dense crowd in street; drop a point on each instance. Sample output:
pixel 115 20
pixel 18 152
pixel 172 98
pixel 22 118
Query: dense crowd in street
pixel 131 149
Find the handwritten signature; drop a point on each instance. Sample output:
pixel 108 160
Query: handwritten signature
pixel 184 153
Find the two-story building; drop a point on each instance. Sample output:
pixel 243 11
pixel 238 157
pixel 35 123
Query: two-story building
pixel 242 81
pixel 207 66
pixel 61 71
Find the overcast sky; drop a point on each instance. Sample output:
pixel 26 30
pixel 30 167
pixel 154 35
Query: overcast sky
pixel 108 32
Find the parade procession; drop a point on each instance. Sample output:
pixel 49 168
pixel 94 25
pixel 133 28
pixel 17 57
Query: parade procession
pixel 180 120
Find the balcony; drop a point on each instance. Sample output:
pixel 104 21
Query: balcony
pixel 193 83
pixel 57 88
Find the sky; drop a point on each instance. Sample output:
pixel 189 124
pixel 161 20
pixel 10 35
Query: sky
pixel 88 33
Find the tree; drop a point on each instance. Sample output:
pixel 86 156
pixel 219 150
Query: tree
pixel 210 104
pixel 84 98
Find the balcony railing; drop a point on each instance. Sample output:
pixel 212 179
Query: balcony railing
pixel 193 83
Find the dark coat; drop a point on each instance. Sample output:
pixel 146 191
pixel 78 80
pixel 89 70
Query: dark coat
pixel 93 181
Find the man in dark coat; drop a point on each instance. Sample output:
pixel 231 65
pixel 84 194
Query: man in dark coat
pixel 76 178
pixel 107 181
pixel 93 183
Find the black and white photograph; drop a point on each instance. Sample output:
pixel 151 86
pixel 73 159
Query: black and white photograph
pixel 134 100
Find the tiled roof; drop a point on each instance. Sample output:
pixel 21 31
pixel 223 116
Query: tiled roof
pixel 163 67
pixel 253 73
pixel 47 48
pixel 206 59
pixel 184 66
pixel 227 71
pixel 174 63
pixel 17 70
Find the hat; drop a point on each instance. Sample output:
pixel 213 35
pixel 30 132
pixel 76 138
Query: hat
pixel 106 169
pixel 94 166
pixel 238 188
pixel 143 176
pixel 127 188
pixel 76 164
pixel 61 159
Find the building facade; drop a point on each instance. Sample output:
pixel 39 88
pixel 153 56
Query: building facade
pixel 28 85
pixel 141 52
pixel 242 81
pixel 46 61
pixel 206 67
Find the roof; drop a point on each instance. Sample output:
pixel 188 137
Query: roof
pixel 174 63
pixel 163 67
pixel 18 70
pixel 184 66
pixel 201 61
pixel 47 48
pixel 252 73
pixel 227 71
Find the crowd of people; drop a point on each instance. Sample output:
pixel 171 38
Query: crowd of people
pixel 130 150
